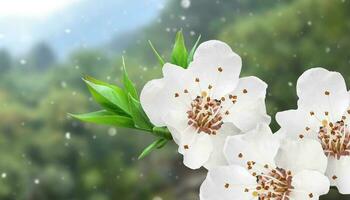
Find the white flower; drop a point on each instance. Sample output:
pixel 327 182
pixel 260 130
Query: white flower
pixel 323 114
pixel 205 103
pixel 265 166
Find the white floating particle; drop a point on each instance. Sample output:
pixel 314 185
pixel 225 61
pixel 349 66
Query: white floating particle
pixel 192 33
pixel 37 181
pixel 328 50
pixel 63 84
pixel 3 175
pixel 309 23
pixel 290 84
pixel 68 136
pixel 112 131
pixel 183 17
pixel 23 61
pixel 185 3
pixel 68 31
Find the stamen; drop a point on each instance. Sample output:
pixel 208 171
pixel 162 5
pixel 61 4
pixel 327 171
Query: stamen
pixel 205 114
pixel 335 138
pixel 272 183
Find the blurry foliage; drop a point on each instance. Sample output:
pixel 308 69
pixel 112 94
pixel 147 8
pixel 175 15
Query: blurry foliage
pixel 5 61
pixel 45 155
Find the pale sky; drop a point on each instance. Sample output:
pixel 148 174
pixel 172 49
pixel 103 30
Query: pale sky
pixel 32 8
pixel 70 24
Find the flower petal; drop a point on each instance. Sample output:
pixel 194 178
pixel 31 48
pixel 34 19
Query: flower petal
pixel 176 122
pixel 301 154
pixel 258 145
pixel 320 91
pixel 309 184
pixel 159 94
pixel 150 101
pixel 216 64
pixel 247 104
pixel 227 183
pixel 298 123
pixel 217 157
pixel 339 173
pixel 198 151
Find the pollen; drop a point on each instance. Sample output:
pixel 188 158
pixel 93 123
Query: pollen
pixel 220 69
pixel 206 114
pixel 335 138
pixel 227 185
pixel 245 91
pixel 273 184
pixel 327 93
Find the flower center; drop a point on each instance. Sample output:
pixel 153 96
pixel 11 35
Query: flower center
pixel 276 184
pixel 335 138
pixel 272 183
pixel 205 115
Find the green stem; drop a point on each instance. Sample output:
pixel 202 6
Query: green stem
pixel 162 132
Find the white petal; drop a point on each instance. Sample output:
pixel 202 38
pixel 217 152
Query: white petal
pixel 338 172
pixel 197 152
pixel 258 145
pixel 176 80
pixel 208 58
pixel 159 94
pixel 151 103
pixel 308 183
pixel 176 122
pixel 217 157
pixel 321 90
pixel 249 108
pixel 297 123
pixel 227 183
pixel 301 154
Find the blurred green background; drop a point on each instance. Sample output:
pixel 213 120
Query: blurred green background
pixel 46 155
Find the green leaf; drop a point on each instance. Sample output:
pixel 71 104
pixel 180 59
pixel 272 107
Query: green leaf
pixel 190 55
pixel 138 115
pixel 155 145
pixel 105 117
pixel 128 84
pixel 179 55
pixel 108 96
pixel 160 59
